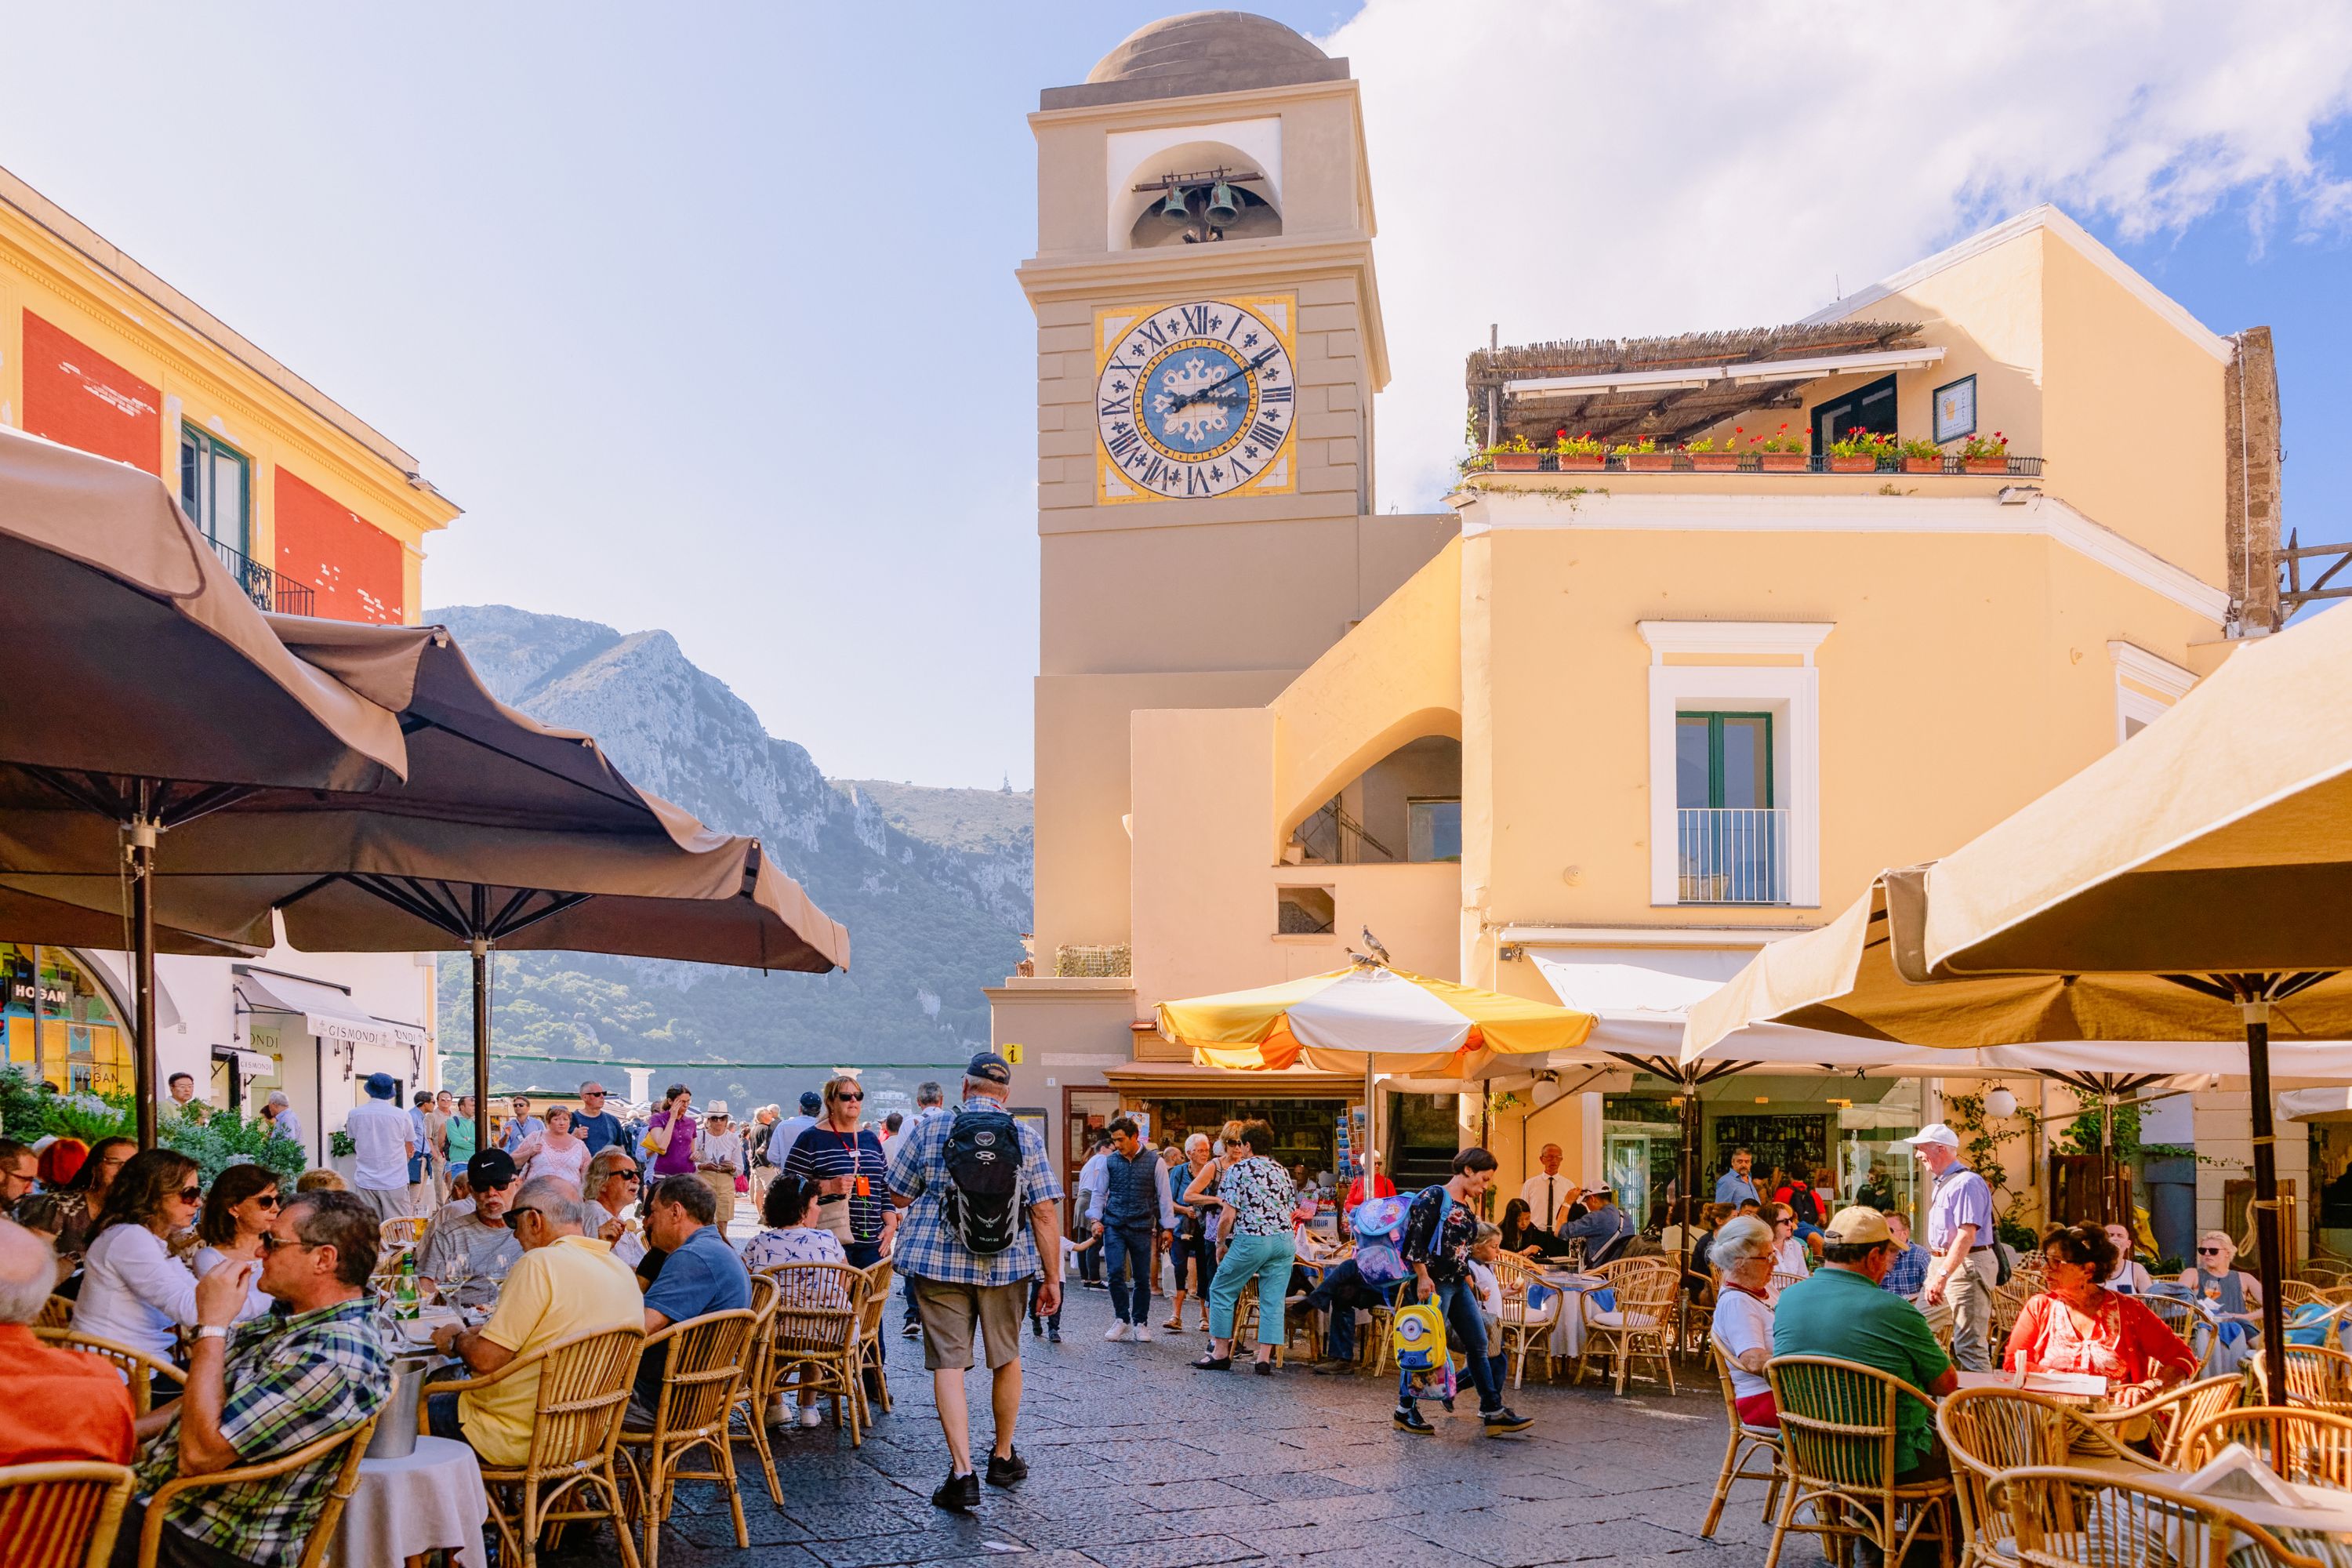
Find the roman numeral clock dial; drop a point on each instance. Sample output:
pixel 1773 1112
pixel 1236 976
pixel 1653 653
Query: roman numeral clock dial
pixel 1194 400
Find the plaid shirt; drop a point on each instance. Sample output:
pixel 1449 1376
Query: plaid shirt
pixel 288 1381
pixel 927 1245
pixel 1908 1277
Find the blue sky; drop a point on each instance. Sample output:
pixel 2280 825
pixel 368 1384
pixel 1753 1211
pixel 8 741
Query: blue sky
pixel 707 315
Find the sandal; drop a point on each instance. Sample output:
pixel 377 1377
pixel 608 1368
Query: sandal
pixel 1174 1327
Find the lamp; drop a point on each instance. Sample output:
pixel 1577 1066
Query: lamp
pixel 2000 1102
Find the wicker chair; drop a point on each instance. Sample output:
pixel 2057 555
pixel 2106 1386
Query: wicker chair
pixel 815 1345
pixel 1642 1323
pixel 583 1390
pixel 57 1312
pixel 1838 1434
pixel 708 1357
pixel 751 1395
pixel 1743 1445
pixel 139 1369
pixel 2174 1412
pixel 352 1442
pixel 1989 1430
pixel 395 1233
pixel 873 1363
pixel 2294 1293
pixel 2311 1446
pixel 2064 1517
pixel 63 1514
pixel 2007 1301
pixel 1523 1330
pixel 2319 1378
pixel 1296 1322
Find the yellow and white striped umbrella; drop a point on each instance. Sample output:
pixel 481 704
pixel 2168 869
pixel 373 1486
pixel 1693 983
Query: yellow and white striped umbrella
pixel 1353 1018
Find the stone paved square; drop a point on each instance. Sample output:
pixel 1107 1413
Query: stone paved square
pixel 1138 1461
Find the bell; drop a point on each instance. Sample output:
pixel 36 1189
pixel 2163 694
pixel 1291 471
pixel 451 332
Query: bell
pixel 1173 212
pixel 1224 206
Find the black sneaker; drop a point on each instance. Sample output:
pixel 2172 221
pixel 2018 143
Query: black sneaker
pixel 1010 1471
pixel 1037 1328
pixel 911 1331
pixel 1502 1421
pixel 958 1493
pixel 1053 1334
pixel 1413 1421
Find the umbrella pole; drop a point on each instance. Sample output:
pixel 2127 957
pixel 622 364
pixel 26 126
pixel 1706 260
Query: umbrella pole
pixel 481 950
pixel 143 970
pixel 2266 1214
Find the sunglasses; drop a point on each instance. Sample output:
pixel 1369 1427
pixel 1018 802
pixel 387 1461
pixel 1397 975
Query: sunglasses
pixel 2209 1252
pixel 192 1194
pixel 849 1097
pixel 514 1216
pixel 267 1199
pixel 272 1241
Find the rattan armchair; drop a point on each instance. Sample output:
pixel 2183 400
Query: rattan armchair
pixel 2319 1378
pixel 2173 1412
pixel 139 1369
pixel 708 1361
pixel 406 1232
pixel 1989 1430
pixel 2313 1445
pixel 351 1442
pixel 1524 1329
pixel 1839 1431
pixel 2008 1303
pixel 873 1363
pixel 61 1514
pixel 583 1391
pixel 57 1312
pixel 2061 1517
pixel 816 1343
pixel 1642 1324
pixel 750 1396
pixel 1743 1445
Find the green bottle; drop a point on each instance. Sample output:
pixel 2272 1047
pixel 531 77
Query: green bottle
pixel 403 1293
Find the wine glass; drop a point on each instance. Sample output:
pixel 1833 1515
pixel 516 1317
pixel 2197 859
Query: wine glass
pixel 453 1280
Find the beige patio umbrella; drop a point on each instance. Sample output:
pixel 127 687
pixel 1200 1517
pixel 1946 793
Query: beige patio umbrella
pixel 2194 884
pixel 140 685
pixel 506 833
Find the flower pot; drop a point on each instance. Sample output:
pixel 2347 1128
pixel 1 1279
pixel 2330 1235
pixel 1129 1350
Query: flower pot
pixel 1785 462
pixel 1923 465
pixel 1649 462
pixel 1986 465
pixel 1570 463
pixel 1852 465
pixel 1516 462
pixel 1715 462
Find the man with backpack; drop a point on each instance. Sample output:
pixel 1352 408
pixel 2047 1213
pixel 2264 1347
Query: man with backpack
pixel 981 1221
pixel 1439 1229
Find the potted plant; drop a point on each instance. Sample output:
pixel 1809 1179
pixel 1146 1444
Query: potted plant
pixel 1859 451
pixel 1516 456
pixel 1783 452
pixel 1985 454
pixel 1573 453
pixel 1642 456
pixel 1710 455
pixel 1921 456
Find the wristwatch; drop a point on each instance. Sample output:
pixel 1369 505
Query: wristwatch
pixel 212 1331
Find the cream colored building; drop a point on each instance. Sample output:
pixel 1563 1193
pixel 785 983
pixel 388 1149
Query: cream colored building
pixel 1652 718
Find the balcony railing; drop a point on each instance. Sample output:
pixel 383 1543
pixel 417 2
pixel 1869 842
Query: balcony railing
pixel 265 588
pixel 1753 463
pixel 1732 857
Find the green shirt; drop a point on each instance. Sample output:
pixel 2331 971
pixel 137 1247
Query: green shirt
pixel 459 1133
pixel 1837 1312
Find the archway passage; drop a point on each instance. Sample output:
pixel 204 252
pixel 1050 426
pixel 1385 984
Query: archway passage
pixel 1405 807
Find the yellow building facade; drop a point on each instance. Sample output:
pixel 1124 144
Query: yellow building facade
pixel 1644 711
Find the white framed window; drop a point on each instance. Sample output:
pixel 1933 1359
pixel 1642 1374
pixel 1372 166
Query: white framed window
pixel 2147 687
pixel 1722 834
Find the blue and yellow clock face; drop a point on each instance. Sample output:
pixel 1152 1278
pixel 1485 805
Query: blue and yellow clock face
pixel 1195 400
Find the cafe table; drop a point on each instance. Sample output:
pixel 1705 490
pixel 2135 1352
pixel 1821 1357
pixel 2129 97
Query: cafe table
pixel 432 1499
pixel 1568 1328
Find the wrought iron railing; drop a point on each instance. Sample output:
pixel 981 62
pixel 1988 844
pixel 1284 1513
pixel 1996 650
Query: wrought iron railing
pixel 1749 463
pixel 265 588
pixel 1731 857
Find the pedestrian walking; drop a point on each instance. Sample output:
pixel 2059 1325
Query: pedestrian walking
pixel 382 1142
pixel 978 1229
pixel 1961 1235
pixel 930 1100
pixel 1439 1228
pixel 1257 1197
pixel 719 1157
pixel 1130 1212
pixel 1192 1250
pixel 592 1123
pixel 1091 1176
pixel 846 1161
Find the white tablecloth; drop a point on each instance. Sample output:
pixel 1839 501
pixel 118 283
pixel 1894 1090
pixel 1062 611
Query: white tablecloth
pixel 432 1499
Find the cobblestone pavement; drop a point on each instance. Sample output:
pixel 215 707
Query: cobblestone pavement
pixel 1138 1461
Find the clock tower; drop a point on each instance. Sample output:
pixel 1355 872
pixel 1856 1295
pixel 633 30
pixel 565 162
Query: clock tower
pixel 1209 341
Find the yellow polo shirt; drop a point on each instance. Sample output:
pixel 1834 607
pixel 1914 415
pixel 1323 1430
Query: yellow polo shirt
pixel 570 1287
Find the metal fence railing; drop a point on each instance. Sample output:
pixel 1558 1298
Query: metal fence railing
pixel 1732 857
pixel 265 588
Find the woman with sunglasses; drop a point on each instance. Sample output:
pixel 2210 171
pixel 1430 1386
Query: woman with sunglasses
pixel 847 1162
pixel 2232 1299
pixel 133 1291
pixel 237 1213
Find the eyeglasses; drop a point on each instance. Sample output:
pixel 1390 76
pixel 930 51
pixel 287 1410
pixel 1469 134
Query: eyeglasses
pixel 514 1216
pixel 272 1241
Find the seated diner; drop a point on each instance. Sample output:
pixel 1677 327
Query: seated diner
pixel 2075 1326
pixel 1742 1324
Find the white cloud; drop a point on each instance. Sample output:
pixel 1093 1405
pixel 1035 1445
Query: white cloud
pixel 1587 170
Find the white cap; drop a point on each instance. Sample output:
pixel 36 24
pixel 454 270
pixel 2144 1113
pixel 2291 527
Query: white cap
pixel 716 1108
pixel 1934 1133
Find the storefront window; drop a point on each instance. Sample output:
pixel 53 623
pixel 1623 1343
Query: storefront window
pixel 1640 1141
pixel 62 1028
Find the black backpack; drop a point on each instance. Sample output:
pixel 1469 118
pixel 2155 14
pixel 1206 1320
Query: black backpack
pixel 983 1161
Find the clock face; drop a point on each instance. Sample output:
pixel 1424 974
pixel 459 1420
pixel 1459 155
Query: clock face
pixel 1194 400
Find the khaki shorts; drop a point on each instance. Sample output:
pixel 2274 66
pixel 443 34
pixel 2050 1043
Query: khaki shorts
pixel 948 1311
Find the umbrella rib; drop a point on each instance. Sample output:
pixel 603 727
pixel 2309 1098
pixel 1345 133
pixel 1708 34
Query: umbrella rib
pixel 477 742
pixel 411 898
pixel 84 791
pixel 203 804
pixel 557 904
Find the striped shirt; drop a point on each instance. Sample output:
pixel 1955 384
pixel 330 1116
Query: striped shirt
pixel 820 1153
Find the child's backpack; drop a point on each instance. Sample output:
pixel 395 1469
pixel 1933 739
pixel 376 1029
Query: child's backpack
pixel 1417 1335
pixel 983 1161
pixel 1376 1221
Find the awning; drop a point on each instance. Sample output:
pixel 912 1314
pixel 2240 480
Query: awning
pixel 324 1011
pixel 2316 1104
pixel 1183 1081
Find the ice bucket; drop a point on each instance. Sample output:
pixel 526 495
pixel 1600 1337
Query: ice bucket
pixel 395 1428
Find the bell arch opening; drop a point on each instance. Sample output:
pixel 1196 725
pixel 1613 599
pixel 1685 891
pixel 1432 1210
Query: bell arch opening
pixel 1225 193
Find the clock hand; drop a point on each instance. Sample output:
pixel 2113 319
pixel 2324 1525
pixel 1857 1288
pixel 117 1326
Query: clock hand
pixel 1218 385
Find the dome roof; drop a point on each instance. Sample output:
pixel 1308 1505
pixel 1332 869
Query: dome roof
pixel 1200 52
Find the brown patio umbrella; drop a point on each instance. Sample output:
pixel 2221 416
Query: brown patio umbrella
pixel 138 682
pixel 506 833
pixel 2194 884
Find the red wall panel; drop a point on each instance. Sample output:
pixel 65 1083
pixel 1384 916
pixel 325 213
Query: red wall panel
pixel 76 396
pixel 354 566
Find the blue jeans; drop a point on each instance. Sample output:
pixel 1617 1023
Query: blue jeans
pixel 1465 1330
pixel 1127 1248
pixel 1267 1260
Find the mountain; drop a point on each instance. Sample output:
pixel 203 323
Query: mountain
pixel 935 886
